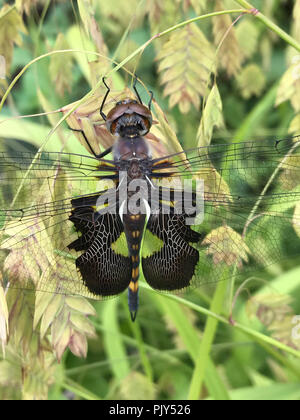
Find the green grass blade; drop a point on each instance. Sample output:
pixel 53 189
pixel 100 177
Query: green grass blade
pixel 190 337
pixel 114 345
pixel 207 341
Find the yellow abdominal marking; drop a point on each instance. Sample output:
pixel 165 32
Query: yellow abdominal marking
pixel 136 234
pixel 134 286
pixel 135 273
pixel 135 258
pixel 135 217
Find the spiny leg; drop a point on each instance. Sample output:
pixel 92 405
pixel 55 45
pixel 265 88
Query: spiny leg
pixel 101 155
pixel 135 89
pixel 137 93
pixel 104 99
pixel 150 101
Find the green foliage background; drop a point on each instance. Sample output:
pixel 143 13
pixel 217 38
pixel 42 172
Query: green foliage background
pixel 178 348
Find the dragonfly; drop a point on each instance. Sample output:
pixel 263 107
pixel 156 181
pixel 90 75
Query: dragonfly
pixel 91 226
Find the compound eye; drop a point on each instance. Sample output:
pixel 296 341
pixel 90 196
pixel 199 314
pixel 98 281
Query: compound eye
pixel 134 101
pixel 119 102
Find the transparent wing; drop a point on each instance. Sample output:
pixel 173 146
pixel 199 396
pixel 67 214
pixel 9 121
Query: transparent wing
pixel 250 193
pixel 250 220
pixel 52 239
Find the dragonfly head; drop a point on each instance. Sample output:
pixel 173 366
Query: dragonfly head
pixel 129 118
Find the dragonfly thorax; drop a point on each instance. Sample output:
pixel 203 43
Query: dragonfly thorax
pixel 128 148
pixel 135 168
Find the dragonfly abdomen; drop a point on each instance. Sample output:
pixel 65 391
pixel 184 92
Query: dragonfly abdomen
pixel 134 228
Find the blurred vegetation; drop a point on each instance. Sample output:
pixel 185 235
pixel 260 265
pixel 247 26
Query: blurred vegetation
pixel 239 76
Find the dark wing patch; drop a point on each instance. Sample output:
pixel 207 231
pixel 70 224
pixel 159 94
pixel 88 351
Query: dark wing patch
pixel 103 271
pixel 173 266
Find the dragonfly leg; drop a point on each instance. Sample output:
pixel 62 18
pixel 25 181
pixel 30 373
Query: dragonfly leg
pixel 105 153
pixel 104 99
pixel 137 93
pixel 101 155
pixel 150 101
pixel 135 89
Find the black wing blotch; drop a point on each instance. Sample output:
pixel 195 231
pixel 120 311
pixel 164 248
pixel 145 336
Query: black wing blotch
pixel 104 272
pixel 173 266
